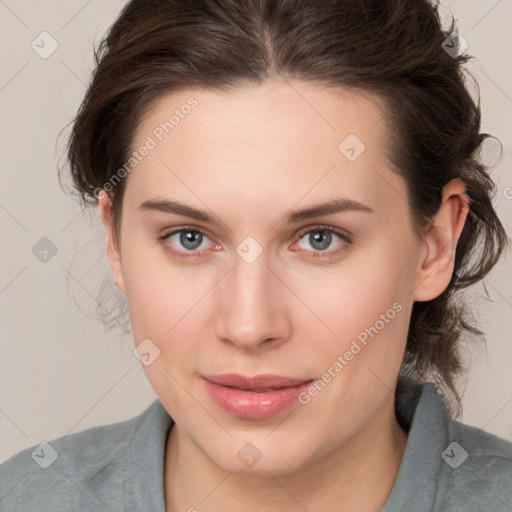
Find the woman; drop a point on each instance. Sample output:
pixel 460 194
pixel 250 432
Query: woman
pixel 292 200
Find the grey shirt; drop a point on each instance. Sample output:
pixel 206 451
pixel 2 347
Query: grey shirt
pixel 447 466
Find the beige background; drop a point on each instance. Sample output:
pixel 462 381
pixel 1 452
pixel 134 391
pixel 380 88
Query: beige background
pixel 59 371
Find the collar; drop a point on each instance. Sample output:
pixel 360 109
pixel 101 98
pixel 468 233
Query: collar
pixel 419 409
pixel 417 478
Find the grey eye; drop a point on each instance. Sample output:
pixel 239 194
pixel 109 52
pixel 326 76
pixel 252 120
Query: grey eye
pixel 319 239
pixel 188 239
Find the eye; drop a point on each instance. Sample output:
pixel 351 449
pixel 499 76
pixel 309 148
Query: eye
pixel 321 238
pixel 193 243
pixel 187 240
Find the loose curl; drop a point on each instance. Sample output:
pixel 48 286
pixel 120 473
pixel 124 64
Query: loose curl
pixel 390 48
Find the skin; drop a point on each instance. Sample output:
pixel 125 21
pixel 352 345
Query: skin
pixel 251 156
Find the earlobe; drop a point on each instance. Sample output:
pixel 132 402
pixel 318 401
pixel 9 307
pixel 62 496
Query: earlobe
pixel 435 267
pixel 112 249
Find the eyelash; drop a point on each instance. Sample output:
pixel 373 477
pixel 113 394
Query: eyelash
pixel 314 254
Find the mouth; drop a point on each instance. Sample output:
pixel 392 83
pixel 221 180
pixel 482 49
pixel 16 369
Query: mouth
pixel 254 397
pixel 258 383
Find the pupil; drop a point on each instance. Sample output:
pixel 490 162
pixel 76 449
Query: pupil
pixel 321 240
pixel 189 239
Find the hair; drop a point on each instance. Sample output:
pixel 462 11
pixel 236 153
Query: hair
pixel 392 49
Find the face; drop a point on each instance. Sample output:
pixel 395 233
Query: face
pixel 253 288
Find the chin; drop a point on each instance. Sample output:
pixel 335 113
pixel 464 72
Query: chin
pixel 248 459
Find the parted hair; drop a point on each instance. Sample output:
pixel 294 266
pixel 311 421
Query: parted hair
pixel 394 49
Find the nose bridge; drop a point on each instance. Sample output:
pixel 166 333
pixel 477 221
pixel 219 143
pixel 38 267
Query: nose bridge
pixel 250 313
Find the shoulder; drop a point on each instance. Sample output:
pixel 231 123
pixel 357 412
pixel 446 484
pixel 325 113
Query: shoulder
pixel 55 473
pixel 448 466
pixel 478 469
pixel 482 447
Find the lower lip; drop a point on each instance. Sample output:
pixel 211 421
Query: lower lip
pixel 254 405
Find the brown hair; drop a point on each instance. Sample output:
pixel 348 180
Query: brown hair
pixel 391 48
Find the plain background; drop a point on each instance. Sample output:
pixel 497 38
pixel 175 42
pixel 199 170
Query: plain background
pixel 60 372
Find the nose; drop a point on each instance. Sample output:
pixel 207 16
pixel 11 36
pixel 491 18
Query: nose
pixel 252 306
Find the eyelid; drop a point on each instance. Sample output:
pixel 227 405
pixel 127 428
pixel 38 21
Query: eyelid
pixel 177 229
pixel 343 233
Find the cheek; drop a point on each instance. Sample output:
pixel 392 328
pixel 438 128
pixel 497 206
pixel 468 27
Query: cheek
pixel 367 306
pixel 160 292
pixel 355 297
pixel 164 306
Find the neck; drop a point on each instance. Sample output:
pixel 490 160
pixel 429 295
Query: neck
pixel 359 475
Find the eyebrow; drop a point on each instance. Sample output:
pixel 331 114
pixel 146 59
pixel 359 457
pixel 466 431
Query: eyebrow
pixel 318 210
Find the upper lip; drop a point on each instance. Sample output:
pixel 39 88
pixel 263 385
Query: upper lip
pixel 256 382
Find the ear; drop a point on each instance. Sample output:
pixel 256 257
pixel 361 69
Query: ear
pixel 113 252
pixel 436 262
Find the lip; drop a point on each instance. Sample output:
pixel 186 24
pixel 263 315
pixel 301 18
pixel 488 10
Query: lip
pixel 255 397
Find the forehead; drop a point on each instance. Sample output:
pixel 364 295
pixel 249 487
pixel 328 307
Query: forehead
pixel 292 138
pixel 305 109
